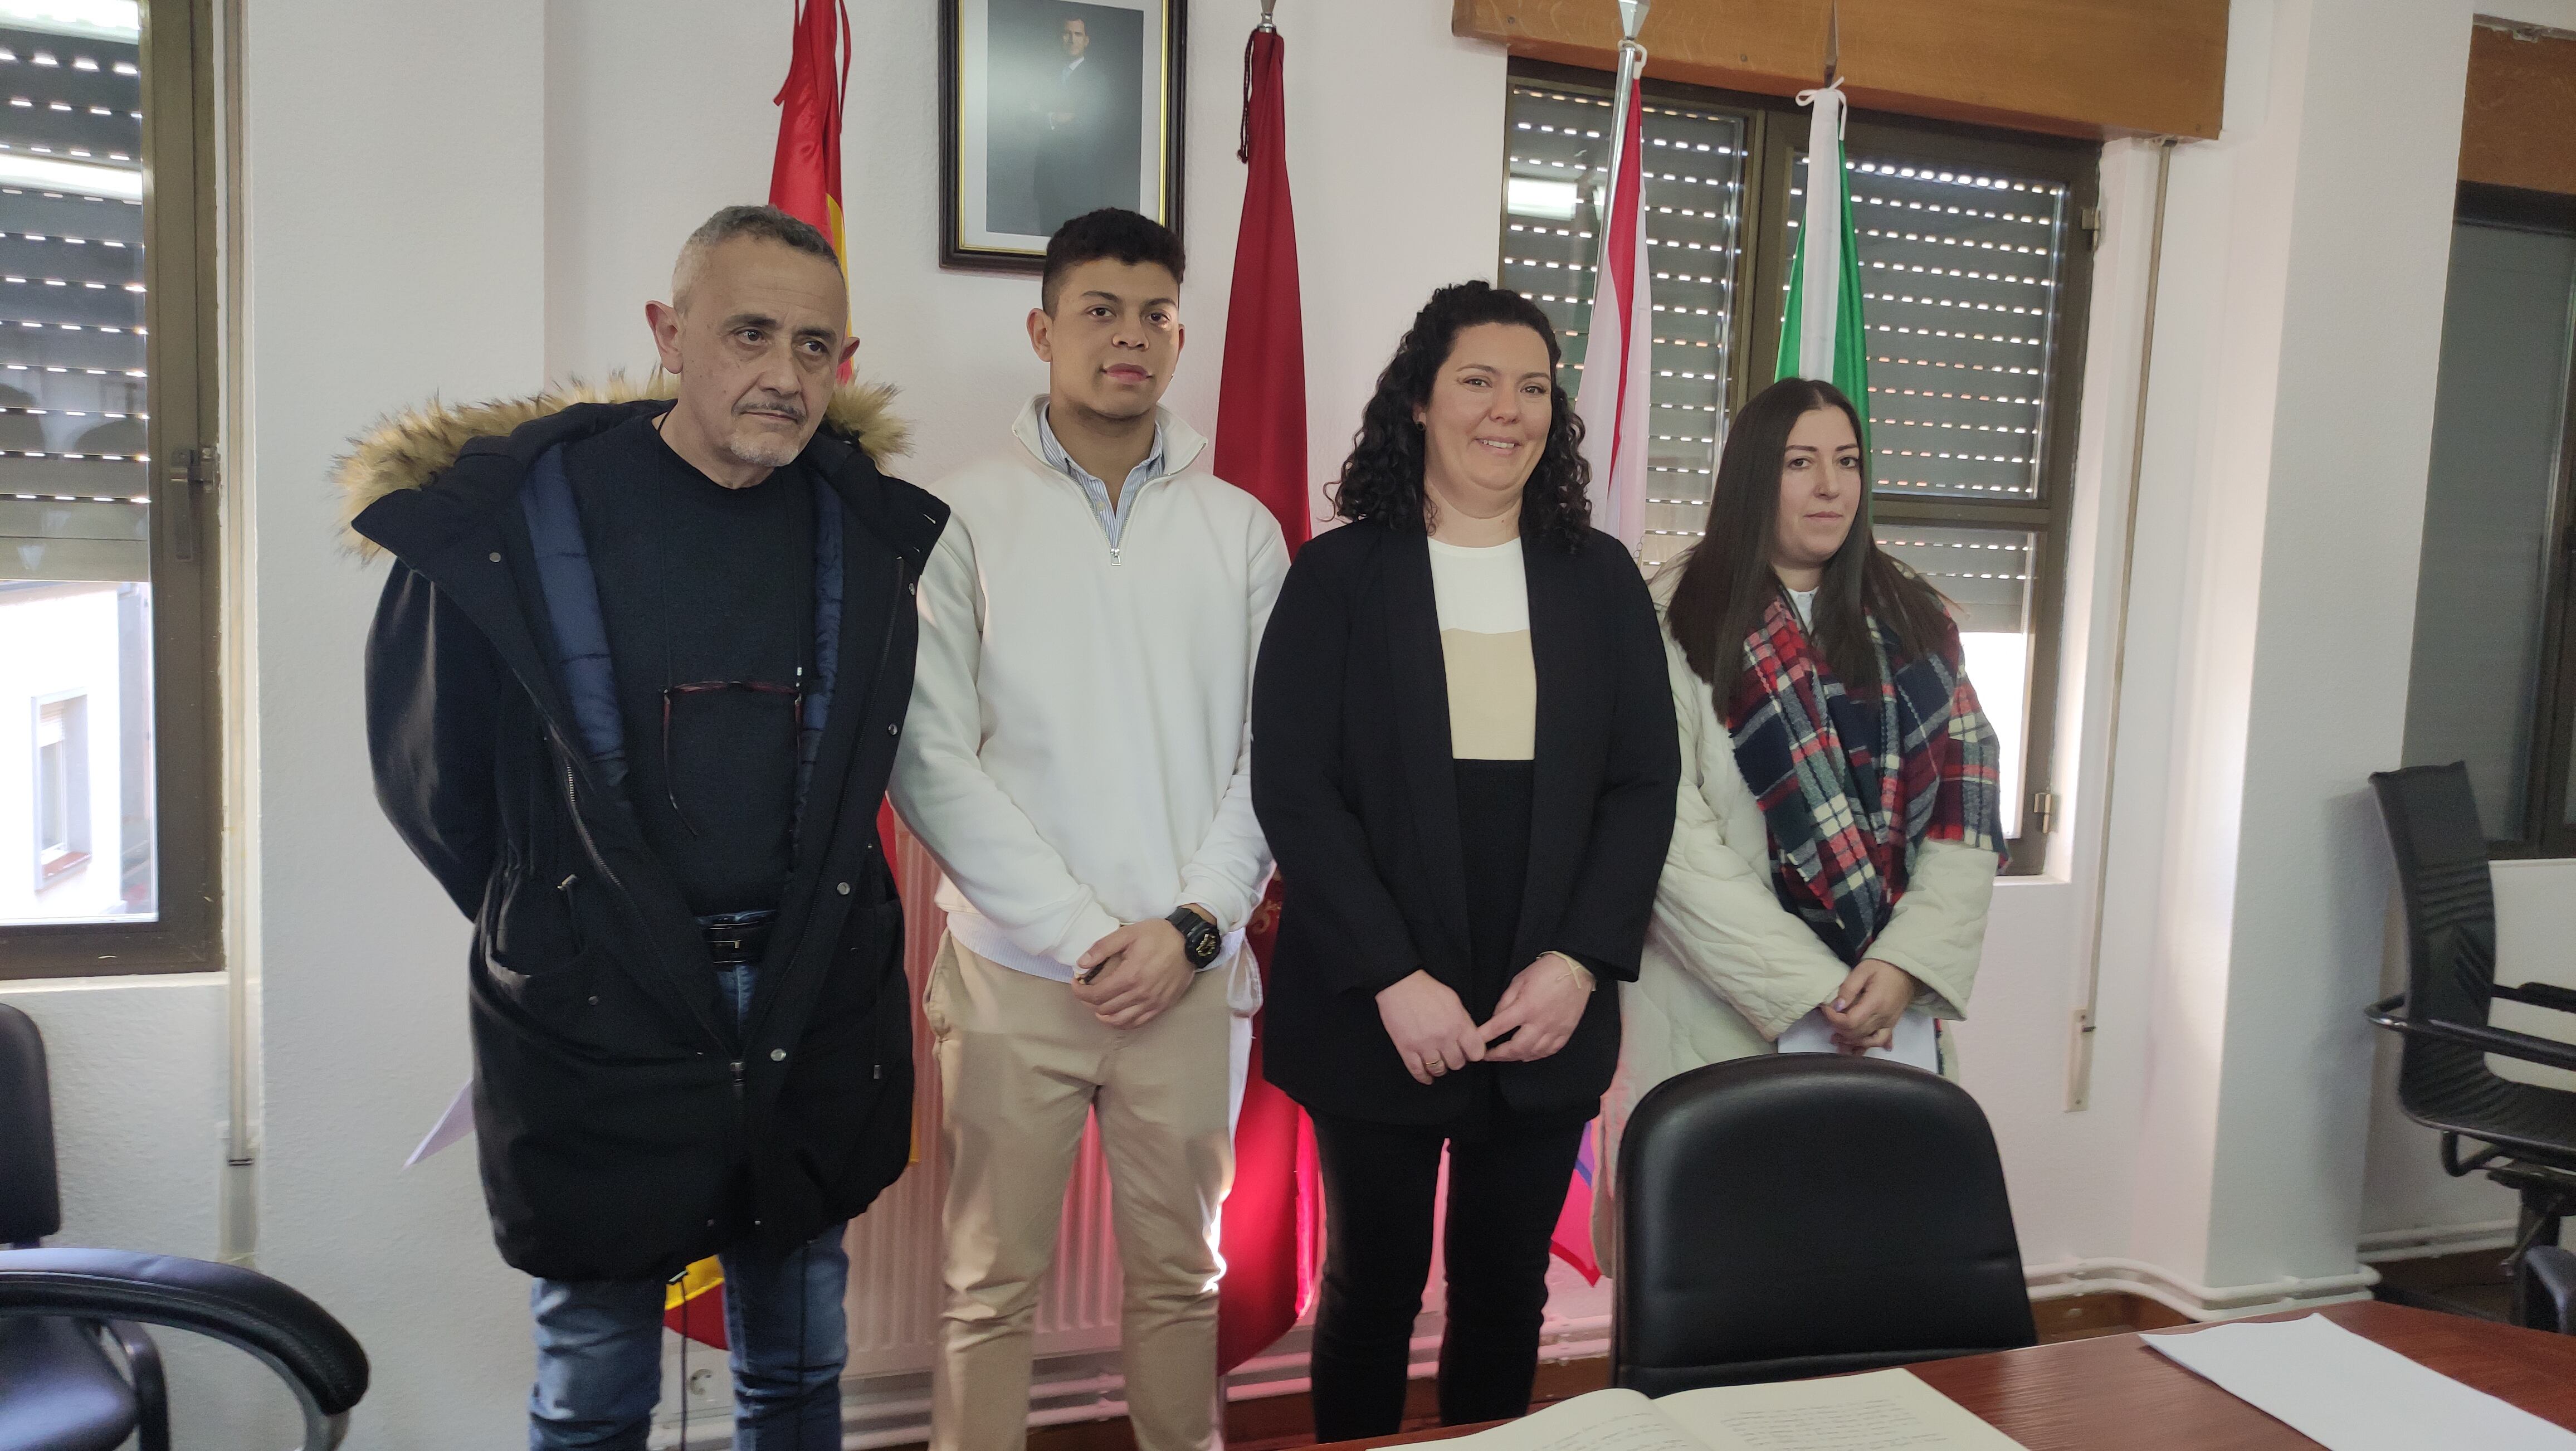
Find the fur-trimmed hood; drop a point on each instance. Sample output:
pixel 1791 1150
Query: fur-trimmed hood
pixel 408 449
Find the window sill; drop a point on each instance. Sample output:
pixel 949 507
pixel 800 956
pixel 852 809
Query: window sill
pixel 50 871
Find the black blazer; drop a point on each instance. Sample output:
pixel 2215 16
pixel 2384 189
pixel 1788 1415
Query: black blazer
pixel 1355 786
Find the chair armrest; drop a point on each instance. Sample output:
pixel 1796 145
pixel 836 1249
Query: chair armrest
pixel 2539 995
pixel 151 1386
pixel 2548 1052
pixel 313 1353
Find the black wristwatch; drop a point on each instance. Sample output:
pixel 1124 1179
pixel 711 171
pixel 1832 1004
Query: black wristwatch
pixel 1199 937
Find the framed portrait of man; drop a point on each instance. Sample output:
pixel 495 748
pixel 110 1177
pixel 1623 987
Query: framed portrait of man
pixel 1050 109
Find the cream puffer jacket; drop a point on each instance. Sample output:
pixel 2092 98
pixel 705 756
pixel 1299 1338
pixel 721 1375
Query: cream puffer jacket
pixel 1726 967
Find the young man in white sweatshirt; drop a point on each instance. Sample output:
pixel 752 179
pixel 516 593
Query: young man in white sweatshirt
pixel 1076 757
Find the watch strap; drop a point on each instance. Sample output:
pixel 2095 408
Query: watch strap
pixel 1199 936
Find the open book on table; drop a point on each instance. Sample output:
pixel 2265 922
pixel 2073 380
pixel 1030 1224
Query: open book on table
pixel 1883 1410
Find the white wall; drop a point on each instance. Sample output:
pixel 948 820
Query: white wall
pixel 492 208
pixel 395 189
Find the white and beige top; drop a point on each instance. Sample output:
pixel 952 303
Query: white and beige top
pixel 1482 598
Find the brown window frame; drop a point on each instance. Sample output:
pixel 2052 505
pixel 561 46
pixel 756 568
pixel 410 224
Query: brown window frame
pixel 1775 131
pixel 176 56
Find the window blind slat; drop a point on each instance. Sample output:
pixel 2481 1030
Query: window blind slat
pixel 73 406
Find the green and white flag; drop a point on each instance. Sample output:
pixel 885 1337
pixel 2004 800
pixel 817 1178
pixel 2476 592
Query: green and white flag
pixel 1822 336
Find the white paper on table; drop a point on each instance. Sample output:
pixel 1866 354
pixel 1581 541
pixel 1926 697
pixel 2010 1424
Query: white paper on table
pixel 1913 1043
pixel 452 1125
pixel 1886 1410
pixel 2350 1393
pixel 1882 1410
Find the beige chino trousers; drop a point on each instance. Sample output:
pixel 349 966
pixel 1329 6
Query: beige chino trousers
pixel 1021 1062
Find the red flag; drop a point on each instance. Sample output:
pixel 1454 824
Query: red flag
pixel 1274 1213
pixel 1261 404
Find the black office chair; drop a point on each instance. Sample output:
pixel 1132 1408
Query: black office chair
pixel 60 1390
pixel 2526 1133
pixel 1803 1214
pixel 2545 1283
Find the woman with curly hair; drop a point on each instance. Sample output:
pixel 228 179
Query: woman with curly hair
pixel 1838 829
pixel 1463 756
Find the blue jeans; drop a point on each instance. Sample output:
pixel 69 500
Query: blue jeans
pixel 599 1346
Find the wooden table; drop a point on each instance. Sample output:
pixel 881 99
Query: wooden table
pixel 2114 1394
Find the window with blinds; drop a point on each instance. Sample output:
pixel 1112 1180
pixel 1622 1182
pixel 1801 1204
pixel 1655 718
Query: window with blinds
pixel 1959 285
pixel 1694 172
pixel 1959 280
pixel 102 598
pixel 1975 262
pixel 73 489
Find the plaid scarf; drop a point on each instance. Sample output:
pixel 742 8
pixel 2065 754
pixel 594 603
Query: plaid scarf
pixel 1850 786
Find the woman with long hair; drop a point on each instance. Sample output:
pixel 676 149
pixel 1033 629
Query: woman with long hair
pixel 1463 756
pixel 1837 832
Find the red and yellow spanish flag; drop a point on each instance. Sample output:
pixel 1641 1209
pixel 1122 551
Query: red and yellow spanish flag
pixel 694 1303
pixel 805 183
pixel 805 177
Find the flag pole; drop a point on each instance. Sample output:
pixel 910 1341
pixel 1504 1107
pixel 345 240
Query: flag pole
pixel 1632 69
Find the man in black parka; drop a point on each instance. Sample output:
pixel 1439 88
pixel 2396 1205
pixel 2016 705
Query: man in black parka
pixel 633 693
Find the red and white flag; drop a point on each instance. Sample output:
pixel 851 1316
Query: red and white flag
pixel 1618 356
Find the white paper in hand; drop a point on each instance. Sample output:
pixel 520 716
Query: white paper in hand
pixel 453 1125
pixel 1913 1043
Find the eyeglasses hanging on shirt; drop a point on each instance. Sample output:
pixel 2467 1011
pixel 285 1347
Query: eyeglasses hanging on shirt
pixel 793 694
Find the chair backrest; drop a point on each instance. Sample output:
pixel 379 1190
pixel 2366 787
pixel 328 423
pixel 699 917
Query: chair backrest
pixel 1801 1214
pixel 2448 898
pixel 31 1206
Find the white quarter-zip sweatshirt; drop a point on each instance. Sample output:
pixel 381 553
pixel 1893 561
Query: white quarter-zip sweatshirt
pixel 1077 754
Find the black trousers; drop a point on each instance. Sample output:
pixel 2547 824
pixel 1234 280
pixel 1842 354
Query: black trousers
pixel 1507 1183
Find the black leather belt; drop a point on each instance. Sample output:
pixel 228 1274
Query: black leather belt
pixel 735 939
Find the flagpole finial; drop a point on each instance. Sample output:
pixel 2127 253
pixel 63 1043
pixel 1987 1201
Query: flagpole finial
pixel 1833 41
pixel 1266 22
pixel 1632 16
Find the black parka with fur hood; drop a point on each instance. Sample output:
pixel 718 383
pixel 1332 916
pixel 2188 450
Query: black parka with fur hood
pixel 626 1125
